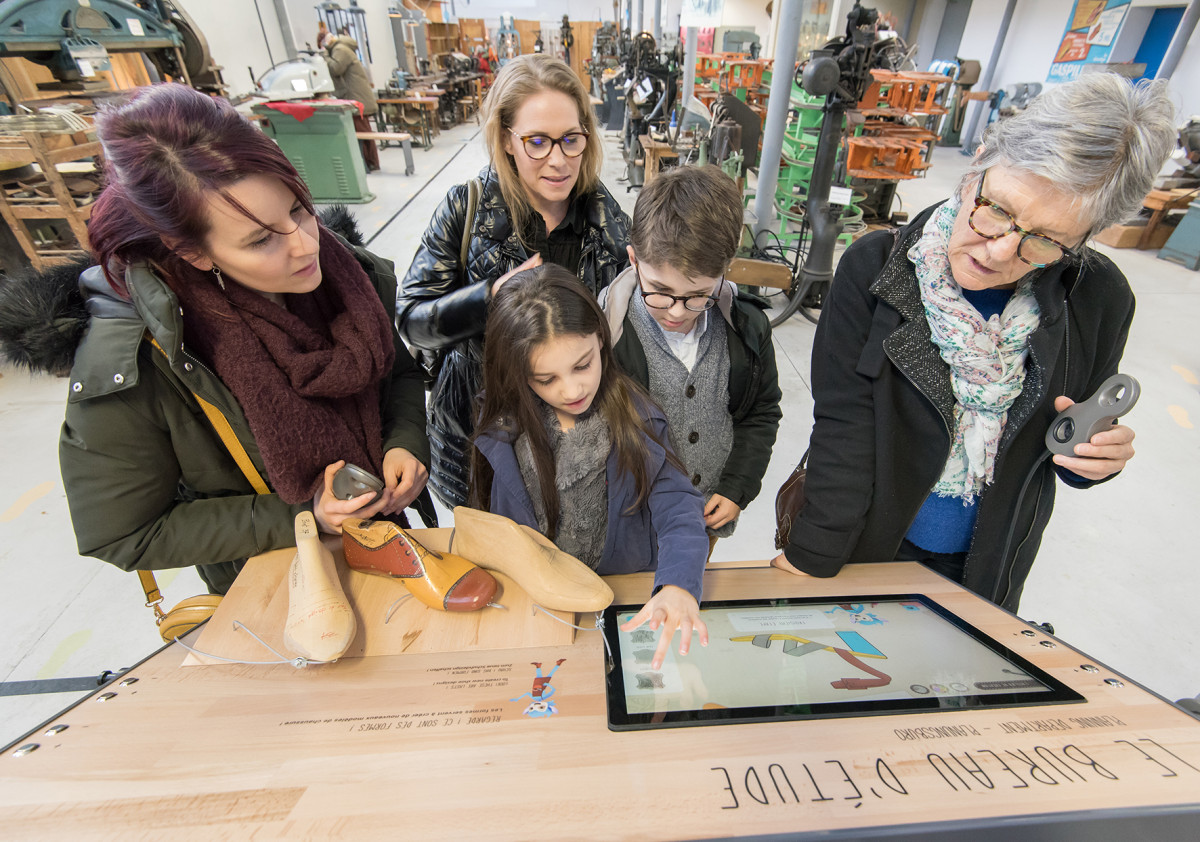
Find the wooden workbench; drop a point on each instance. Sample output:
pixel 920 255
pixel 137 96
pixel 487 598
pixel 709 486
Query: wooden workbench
pixel 655 152
pixel 437 745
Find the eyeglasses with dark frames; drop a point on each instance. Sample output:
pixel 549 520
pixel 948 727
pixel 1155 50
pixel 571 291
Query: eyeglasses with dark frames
pixel 992 222
pixel 665 301
pixel 539 146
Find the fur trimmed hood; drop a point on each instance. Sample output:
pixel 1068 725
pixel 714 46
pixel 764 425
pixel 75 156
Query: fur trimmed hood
pixel 44 315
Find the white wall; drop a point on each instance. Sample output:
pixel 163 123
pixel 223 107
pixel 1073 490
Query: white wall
pixel 1035 33
pixel 235 38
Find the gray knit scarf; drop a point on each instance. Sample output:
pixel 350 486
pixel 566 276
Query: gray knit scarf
pixel 580 475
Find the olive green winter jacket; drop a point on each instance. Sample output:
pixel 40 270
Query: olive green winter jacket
pixel 149 483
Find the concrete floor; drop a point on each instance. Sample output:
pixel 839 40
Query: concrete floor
pixel 1117 573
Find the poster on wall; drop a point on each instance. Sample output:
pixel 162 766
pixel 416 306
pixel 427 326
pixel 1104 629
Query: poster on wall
pixel 701 12
pixel 1091 31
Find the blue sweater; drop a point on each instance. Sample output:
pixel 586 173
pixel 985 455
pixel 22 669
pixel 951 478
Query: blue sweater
pixel 944 524
pixel 665 535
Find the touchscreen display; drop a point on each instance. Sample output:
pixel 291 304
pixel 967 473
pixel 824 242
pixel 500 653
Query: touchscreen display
pixel 799 658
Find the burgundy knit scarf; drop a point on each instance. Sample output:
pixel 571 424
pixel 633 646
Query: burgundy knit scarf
pixel 307 377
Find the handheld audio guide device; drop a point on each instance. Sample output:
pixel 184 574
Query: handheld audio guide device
pixel 1078 423
pixel 352 481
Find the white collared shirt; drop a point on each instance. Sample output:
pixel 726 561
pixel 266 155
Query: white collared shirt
pixel 686 346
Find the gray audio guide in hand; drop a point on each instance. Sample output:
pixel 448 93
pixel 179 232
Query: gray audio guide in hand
pixel 1078 423
pixel 351 481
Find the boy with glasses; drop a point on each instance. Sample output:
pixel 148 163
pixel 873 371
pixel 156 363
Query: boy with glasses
pixel 702 349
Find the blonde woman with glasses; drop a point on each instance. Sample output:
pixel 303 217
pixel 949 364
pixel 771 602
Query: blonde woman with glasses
pixel 539 200
pixel 944 353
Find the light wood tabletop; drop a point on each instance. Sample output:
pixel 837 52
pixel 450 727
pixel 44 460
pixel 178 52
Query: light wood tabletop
pixel 420 744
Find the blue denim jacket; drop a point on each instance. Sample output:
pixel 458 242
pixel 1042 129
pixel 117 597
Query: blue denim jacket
pixel 665 535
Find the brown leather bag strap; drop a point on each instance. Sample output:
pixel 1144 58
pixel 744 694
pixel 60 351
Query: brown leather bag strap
pixel 225 432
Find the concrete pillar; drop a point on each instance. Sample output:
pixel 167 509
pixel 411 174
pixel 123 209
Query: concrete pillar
pixel 969 137
pixel 786 43
pixel 1187 25
pixel 285 29
pixel 689 69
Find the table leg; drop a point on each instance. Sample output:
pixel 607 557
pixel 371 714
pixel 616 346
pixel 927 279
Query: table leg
pixel 409 167
pixel 1155 218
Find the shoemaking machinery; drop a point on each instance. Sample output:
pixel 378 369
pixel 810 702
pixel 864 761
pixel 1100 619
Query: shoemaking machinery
pixel 74 39
pixel 651 84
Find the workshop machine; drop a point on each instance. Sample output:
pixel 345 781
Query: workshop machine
pixel 300 78
pixel 75 39
pixel 508 39
pixel 651 84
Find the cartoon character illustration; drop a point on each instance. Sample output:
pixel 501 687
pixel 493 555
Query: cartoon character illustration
pixel 540 704
pixel 858 614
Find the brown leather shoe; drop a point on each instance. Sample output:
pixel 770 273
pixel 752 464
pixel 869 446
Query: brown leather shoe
pixel 443 581
pixel 554 579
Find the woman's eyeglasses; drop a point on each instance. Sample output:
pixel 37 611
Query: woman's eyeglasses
pixel 539 146
pixel 992 222
pixel 665 301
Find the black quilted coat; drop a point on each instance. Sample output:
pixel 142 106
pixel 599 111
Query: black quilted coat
pixel 443 309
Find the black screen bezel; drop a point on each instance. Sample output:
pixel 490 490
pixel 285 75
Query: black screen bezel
pixel 620 719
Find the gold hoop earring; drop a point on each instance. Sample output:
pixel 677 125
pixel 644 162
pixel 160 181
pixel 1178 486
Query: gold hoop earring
pixel 216 270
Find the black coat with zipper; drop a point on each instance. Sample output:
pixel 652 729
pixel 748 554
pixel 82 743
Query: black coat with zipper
pixel 754 393
pixel 444 309
pixel 884 413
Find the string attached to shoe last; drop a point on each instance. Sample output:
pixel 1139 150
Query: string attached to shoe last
pixel 598 626
pixel 299 662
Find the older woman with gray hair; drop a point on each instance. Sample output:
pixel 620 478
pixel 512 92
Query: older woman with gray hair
pixel 944 352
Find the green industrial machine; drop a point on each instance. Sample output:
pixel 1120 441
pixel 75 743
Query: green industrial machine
pixel 318 138
pixel 799 155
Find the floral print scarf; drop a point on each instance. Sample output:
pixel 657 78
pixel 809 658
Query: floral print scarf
pixel 986 357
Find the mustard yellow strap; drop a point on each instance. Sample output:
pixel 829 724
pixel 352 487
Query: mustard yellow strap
pixel 154 596
pixel 223 428
pixel 225 431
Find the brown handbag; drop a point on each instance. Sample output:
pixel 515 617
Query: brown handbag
pixel 789 501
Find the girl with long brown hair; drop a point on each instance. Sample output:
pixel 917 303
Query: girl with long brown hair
pixel 568 445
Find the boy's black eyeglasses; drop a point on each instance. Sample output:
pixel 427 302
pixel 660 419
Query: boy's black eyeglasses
pixel 665 301
pixel 539 146
pixel 992 222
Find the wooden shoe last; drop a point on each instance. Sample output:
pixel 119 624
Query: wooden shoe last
pixel 320 623
pixel 443 581
pixel 554 579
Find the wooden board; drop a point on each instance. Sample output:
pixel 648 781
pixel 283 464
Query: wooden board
pixel 585 33
pixel 472 32
pixel 759 273
pixel 259 600
pixel 442 746
pixel 21 77
pixel 529 30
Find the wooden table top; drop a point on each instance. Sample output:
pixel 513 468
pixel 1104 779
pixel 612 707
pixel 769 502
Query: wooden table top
pixel 409 100
pixel 437 745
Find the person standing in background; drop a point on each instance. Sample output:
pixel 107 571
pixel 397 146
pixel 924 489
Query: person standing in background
pixel 350 81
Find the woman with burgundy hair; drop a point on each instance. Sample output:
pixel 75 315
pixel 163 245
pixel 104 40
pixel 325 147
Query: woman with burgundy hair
pixel 217 288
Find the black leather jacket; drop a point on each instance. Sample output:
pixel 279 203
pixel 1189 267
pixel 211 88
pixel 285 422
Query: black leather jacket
pixel 440 308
